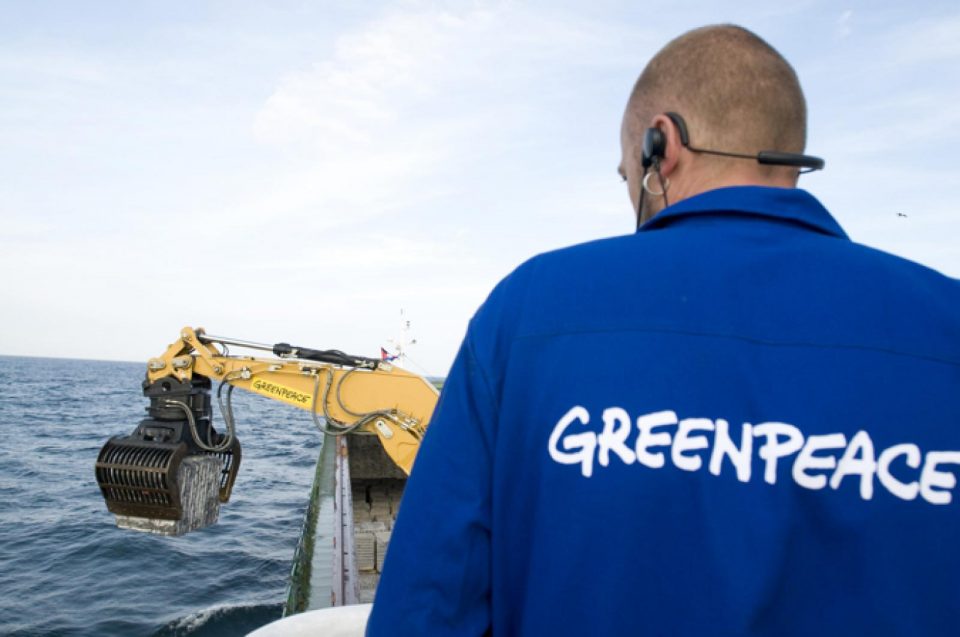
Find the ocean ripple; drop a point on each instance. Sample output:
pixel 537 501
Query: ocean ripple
pixel 65 569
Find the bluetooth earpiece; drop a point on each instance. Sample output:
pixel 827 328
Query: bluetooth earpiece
pixel 655 141
pixel 654 147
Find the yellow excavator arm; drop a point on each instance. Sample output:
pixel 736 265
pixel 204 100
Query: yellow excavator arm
pixel 352 394
pixel 154 475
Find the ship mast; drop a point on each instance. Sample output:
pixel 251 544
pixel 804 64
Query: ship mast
pixel 402 341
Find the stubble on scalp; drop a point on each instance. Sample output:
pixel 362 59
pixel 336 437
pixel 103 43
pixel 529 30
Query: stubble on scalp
pixel 735 91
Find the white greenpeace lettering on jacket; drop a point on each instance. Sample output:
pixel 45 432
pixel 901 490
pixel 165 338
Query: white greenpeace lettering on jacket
pixel 818 461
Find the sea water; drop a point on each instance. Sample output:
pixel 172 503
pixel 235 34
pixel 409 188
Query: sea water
pixel 65 569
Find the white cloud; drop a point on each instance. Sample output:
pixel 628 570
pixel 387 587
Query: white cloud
pixel 52 65
pixel 375 75
pixel 927 40
pixel 361 171
pixel 844 28
pixel 404 104
pixel 410 160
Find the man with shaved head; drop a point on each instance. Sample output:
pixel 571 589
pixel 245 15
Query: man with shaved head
pixel 734 92
pixel 735 421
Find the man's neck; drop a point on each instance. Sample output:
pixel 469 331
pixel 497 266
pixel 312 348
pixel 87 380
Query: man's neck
pixel 694 185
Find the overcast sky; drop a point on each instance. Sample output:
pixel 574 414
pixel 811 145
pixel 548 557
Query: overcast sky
pixel 302 171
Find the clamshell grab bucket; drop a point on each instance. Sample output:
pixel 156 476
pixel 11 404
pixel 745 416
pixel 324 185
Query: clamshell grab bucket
pixel 139 478
pixel 160 478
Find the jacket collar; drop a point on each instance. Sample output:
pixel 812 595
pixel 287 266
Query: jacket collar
pixel 789 204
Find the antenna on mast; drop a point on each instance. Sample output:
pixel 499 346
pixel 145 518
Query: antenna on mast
pixel 401 342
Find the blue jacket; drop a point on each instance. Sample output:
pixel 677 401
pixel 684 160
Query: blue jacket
pixel 734 422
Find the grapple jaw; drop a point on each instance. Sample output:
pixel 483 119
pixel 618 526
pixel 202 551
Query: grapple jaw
pixel 170 475
pixel 139 478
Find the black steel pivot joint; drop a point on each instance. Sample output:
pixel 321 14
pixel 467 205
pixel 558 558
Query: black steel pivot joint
pixel 167 420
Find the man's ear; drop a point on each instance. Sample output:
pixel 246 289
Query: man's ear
pixel 671 155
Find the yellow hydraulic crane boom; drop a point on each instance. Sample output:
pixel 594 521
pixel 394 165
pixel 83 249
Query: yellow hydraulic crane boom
pixel 350 393
pixel 139 474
